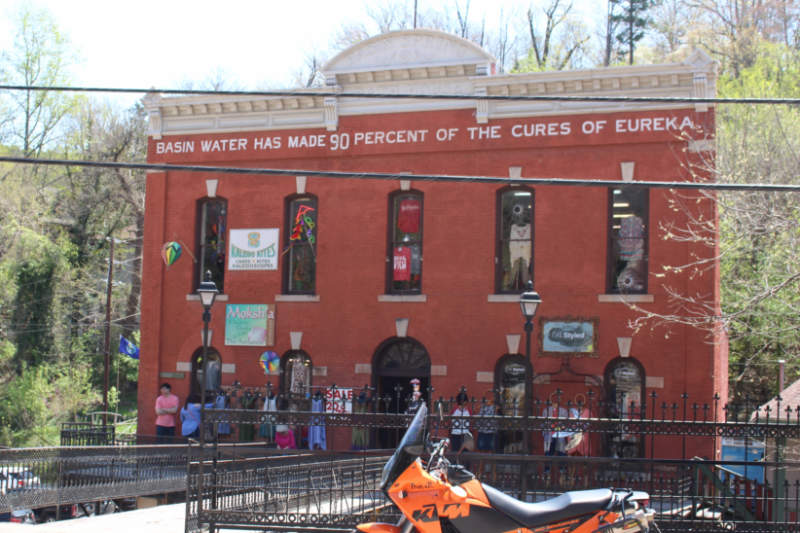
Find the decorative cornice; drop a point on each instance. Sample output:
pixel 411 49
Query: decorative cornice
pixel 218 114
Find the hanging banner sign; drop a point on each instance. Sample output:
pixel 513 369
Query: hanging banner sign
pixel 338 400
pixel 253 249
pixel 249 325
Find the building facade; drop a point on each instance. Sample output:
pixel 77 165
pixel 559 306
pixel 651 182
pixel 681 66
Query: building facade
pixel 352 282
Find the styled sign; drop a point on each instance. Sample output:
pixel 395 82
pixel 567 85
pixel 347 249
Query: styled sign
pixel 253 249
pixel 565 336
pixel 249 325
pixel 338 400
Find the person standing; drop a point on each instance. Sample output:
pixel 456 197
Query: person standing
pixel 460 422
pixel 166 408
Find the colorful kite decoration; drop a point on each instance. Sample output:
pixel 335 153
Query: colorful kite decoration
pixel 170 252
pixel 270 362
pixel 303 225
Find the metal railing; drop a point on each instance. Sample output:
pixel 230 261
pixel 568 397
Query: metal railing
pixel 294 491
pixel 689 493
pixel 334 492
pixel 55 476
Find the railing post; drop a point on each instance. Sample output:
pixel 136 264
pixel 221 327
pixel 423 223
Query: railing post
pixel 780 481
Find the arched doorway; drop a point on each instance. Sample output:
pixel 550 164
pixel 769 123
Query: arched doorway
pixel 624 382
pixel 395 363
pixel 214 371
pixel 509 386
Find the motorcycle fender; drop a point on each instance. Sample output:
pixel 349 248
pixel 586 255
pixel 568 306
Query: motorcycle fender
pixel 378 527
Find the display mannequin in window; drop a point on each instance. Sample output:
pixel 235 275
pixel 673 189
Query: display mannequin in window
pixel 519 247
pixel 631 252
pixel 416 397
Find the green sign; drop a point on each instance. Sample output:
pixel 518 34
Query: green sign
pixel 246 324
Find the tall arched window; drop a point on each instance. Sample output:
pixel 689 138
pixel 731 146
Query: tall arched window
pixel 404 268
pixel 627 240
pixel 624 383
pixel 212 226
pixel 514 254
pixel 300 243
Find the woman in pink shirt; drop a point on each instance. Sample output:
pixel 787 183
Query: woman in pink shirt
pixel 166 407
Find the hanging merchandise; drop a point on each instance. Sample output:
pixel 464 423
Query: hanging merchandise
pixel 402 263
pixel 360 437
pixel 316 434
pixel 408 217
pixel 303 225
pixel 170 252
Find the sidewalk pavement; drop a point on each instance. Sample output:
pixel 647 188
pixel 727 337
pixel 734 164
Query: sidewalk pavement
pixel 160 519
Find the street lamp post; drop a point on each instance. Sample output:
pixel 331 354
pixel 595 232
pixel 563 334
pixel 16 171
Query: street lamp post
pixel 207 290
pixel 208 293
pixel 528 301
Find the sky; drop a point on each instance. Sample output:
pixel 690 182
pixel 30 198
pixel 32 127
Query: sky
pixel 167 43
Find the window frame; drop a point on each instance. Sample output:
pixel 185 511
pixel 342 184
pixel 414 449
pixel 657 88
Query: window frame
pixel 498 250
pixel 611 260
pixel 199 270
pixel 390 244
pixel 287 243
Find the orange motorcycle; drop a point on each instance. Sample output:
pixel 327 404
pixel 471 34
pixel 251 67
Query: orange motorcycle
pixel 439 497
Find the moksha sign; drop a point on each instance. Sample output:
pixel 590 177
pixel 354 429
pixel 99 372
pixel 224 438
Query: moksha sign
pixel 253 249
pixel 249 325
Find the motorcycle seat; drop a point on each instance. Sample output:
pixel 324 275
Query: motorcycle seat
pixel 568 505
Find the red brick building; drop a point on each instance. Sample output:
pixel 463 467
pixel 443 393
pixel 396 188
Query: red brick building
pixel 359 282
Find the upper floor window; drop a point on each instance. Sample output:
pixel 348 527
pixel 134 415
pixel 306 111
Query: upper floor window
pixel 404 273
pixel 514 255
pixel 212 224
pixel 627 238
pixel 300 266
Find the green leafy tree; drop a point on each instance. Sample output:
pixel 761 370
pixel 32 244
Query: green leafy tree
pixel 632 20
pixel 758 244
pixel 40 56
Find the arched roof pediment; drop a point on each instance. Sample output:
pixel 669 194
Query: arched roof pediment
pixel 407 49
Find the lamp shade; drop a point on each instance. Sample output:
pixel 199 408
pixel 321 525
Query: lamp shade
pixel 529 301
pixel 207 291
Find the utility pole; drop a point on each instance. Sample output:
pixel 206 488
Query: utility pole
pixel 107 360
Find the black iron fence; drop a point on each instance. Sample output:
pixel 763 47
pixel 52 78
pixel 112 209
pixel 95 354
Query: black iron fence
pixel 87 434
pixel 288 491
pixel 333 492
pixel 659 440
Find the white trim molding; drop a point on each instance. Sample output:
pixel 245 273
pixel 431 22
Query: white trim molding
pixel 625 298
pixel 403 298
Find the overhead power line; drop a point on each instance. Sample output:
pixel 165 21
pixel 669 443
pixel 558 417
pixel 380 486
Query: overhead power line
pixel 345 94
pixel 411 177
